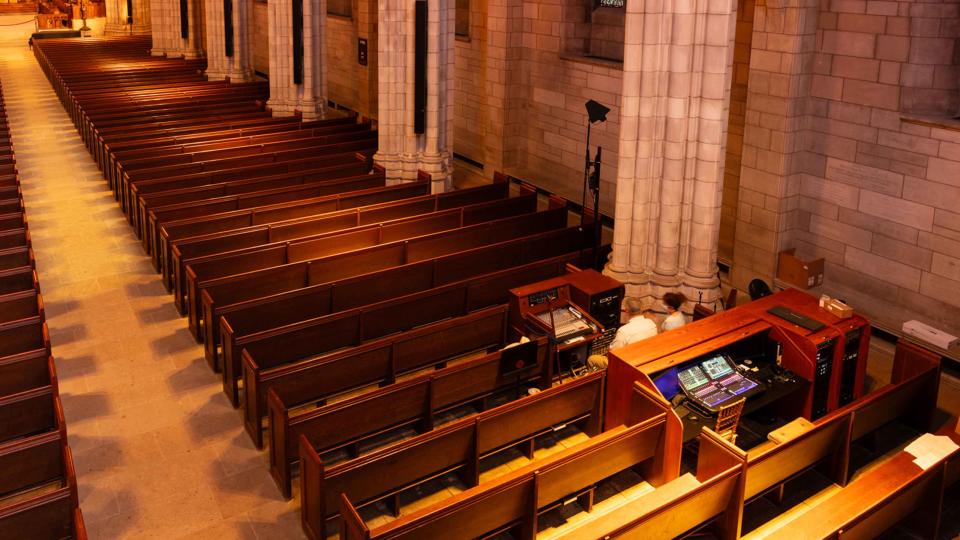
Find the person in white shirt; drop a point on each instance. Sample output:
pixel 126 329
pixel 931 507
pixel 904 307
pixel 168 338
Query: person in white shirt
pixel 675 318
pixel 640 327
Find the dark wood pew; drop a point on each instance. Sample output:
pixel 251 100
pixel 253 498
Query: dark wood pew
pixel 24 335
pixel 330 267
pixel 306 380
pixel 11 206
pixel 32 462
pixel 157 217
pixel 413 402
pixel 458 447
pixel 16 257
pixel 202 236
pixel 12 220
pixel 29 413
pixel 12 238
pixel 247 181
pixel 515 501
pixel 26 371
pixel 304 240
pixel 177 237
pixel 297 280
pixel 21 305
pixel 361 143
pixel 50 516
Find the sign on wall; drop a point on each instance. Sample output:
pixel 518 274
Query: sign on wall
pixel 612 3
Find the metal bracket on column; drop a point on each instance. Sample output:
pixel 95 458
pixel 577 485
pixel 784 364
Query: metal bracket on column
pixel 130 12
pixel 184 20
pixel 420 69
pixel 228 27
pixel 297 41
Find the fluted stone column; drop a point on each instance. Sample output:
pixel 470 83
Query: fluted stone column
pixel 678 57
pixel 401 151
pixel 310 96
pixel 117 18
pixel 237 66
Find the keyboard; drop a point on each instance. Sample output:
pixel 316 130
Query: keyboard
pixel 800 320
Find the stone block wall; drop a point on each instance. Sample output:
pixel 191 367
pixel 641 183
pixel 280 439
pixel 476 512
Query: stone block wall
pixel 879 186
pixel 259 40
pixel 470 114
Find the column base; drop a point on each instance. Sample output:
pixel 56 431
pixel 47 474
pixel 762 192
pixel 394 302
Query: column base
pixel 313 110
pixel 281 108
pixel 649 288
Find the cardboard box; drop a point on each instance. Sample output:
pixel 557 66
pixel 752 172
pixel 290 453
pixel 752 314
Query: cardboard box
pixel 839 309
pixel 799 273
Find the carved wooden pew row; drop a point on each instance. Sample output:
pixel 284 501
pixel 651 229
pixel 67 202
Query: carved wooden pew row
pixel 177 237
pixel 18 280
pixel 415 401
pixel 13 221
pixel 308 377
pixel 214 160
pixel 16 257
pixel 266 154
pixel 201 236
pixel 370 185
pixel 201 303
pixel 141 137
pixel 26 371
pixel 331 233
pixel 24 335
pixel 13 237
pixel 132 152
pixel 250 179
pixel 457 447
pixel 350 327
pixel 21 305
pixel 307 241
pixel 381 277
pixel 514 501
pixel 53 515
pixel 30 413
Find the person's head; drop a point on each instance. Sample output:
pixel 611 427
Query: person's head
pixel 634 308
pixel 673 301
pixel 597 362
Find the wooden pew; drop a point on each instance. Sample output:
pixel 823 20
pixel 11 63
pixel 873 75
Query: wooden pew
pixel 52 515
pixel 16 257
pixel 238 292
pixel 178 239
pixel 297 261
pixel 515 500
pixel 206 236
pixel 24 335
pixel 18 280
pixel 414 402
pixel 457 447
pixel 156 217
pixel 311 239
pixel 31 412
pixel 307 380
pixel 26 371
pixel 21 305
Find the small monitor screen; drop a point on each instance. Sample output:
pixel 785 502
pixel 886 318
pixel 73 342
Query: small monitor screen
pixel 717 367
pixel 693 378
pixel 667 383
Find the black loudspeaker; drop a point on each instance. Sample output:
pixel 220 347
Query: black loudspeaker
pixel 297 41
pixel 129 11
pixel 420 70
pixel 184 20
pixel 227 27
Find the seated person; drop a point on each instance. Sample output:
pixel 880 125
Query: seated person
pixel 640 326
pixel 597 362
pixel 675 318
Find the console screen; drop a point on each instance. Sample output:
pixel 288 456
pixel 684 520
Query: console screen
pixel 693 378
pixel 717 367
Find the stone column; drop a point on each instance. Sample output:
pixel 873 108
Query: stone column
pixel 678 58
pixel 162 30
pixel 309 97
pixel 237 66
pixel 401 151
pixel 773 161
pixel 117 17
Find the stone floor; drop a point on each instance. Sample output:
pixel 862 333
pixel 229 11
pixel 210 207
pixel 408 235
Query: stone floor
pixel 159 451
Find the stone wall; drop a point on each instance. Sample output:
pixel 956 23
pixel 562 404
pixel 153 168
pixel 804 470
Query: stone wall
pixel 865 182
pixel 470 115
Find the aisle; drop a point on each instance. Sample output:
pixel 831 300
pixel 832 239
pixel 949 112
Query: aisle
pixel 159 451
